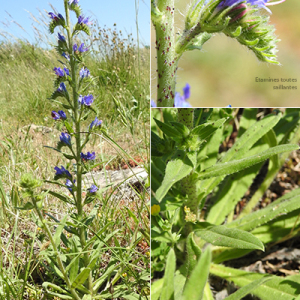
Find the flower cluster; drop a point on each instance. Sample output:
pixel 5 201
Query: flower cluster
pixel 64 75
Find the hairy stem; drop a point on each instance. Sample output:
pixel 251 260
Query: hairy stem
pixel 163 20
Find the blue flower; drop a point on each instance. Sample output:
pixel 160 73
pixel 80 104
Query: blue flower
pixel 62 88
pixel 67 71
pixel 55 17
pixel 88 156
pixel 59 72
pixel 70 185
pixel 55 115
pixel 82 49
pixel 62 115
pixel 96 123
pixel 62 172
pixel 83 20
pixel 58 115
pixel 86 100
pixel 93 189
pixel 180 101
pixel 65 138
pixel 258 3
pixel 75 2
pixel 229 105
pixel 66 56
pixel 61 38
pixel 84 72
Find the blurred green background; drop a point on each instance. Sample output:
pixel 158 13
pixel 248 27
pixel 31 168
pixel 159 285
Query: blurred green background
pixel 224 71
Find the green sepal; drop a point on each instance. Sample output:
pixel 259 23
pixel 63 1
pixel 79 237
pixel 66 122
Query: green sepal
pixel 81 27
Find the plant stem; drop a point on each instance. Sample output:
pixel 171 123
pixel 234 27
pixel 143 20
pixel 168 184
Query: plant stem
pixel 167 60
pixel 77 117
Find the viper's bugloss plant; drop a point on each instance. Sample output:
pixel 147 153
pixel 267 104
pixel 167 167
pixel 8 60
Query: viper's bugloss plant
pixel 237 19
pixel 73 256
pixel 195 226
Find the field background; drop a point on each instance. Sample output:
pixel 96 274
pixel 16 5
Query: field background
pixel 224 71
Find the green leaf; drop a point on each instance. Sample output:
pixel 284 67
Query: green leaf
pixel 158 167
pixel 156 288
pixel 55 287
pixel 167 292
pixel 68 156
pixel 222 236
pixel 241 147
pixel 56 237
pixel 221 169
pixel 193 255
pixel 181 128
pixel 281 206
pixel 61 196
pixel 195 285
pixel 27 206
pixel 168 130
pixel 207 295
pixel 247 289
pixel 286 288
pixel 175 171
pixel 81 277
pixel 205 130
pixel 234 187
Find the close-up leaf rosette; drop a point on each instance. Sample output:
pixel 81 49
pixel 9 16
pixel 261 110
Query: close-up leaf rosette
pixel 245 21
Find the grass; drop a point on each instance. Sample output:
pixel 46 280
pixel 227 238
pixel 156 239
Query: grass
pixel 121 82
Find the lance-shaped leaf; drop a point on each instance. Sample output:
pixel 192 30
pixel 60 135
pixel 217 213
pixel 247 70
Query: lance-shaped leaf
pixel 222 236
pixel 81 277
pixel 168 130
pixel 286 288
pixel 196 283
pixel 227 168
pixel 283 205
pixel 175 171
pixel 205 130
pixel 247 289
pixel 167 292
